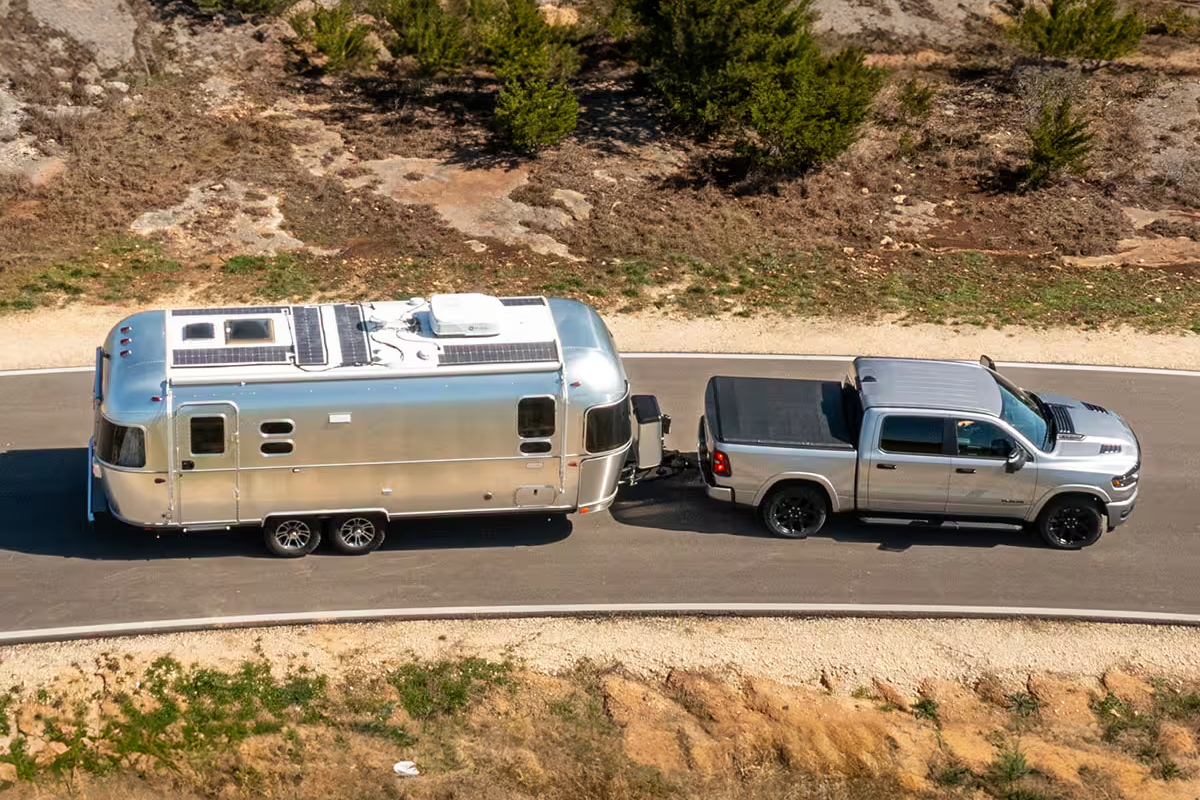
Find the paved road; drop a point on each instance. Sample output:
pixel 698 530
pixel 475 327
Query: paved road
pixel 663 543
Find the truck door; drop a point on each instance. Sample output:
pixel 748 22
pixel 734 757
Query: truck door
pixel 909 469
pixel 980 484
pixel 206 462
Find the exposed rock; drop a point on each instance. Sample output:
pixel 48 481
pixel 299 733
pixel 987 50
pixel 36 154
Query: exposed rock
pixel 829 680
pixel 117 86
pixel 890 694
pixel 105 26
pixel 12 113
pixel 476 245
pixel 556 15
pixel 575 202
pixel 1131 690
pixel 8 772
pixel 220 219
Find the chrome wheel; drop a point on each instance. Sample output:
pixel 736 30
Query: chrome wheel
pixel 357 532
pixel 293 534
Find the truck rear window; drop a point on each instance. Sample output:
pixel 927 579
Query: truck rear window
pixel 121 445
pixel 608 427
pixel 915 435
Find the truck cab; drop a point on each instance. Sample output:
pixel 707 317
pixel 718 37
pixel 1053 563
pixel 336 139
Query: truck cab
pixel 918 439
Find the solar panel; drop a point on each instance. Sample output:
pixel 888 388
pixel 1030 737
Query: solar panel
pixel 230 356
pixel 235 311
pixel 310 339
pixel 522 301
pixel 511 353
pixel 351 335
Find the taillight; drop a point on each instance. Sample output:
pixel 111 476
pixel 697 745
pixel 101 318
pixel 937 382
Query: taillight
pixel 720 464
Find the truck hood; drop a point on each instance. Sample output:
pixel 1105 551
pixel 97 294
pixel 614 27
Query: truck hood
pixel 1096 424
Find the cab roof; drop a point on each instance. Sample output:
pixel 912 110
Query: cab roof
pixel 926 384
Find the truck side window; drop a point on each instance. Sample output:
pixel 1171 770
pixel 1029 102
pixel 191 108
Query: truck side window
pixel 208 436
pixel 978 439
pixel 535 417
pixel 913 435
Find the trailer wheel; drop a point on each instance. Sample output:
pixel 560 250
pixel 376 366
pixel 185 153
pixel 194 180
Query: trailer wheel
pixel 291 537
pixel 795 512
pixel 357 534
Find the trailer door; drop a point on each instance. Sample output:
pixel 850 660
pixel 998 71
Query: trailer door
pixel 206 463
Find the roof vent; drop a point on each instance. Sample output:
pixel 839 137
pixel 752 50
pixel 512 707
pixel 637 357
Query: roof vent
pixel 465 314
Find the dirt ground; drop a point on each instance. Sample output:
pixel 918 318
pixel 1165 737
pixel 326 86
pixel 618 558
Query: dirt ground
pixel 629 708
pixel 174 152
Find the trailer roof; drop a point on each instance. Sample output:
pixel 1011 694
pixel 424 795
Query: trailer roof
pixel 448 333
pixel 927 384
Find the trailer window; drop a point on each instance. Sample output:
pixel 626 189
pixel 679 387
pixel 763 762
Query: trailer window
pixel 913 435
pixel 276 448
pixel 535 417
pixel 279 427
pixel 608 427
pixel 208 436
pixel 249 330
pixel 121 445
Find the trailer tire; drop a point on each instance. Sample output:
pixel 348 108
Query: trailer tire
pixel 1071 522
pixel 795 511
pixel 357 534
pixel 291 537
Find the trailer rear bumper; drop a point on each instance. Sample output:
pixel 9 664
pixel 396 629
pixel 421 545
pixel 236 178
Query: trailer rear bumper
pixel 97 502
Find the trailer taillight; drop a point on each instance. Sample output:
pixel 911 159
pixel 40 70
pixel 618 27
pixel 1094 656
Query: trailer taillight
pixel 720 464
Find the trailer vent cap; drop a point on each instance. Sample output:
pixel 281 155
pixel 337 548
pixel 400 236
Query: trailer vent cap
pixel 465 314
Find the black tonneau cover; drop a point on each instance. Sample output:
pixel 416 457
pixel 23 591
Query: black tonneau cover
pixel 778 411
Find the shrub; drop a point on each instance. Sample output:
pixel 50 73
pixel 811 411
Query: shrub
pixel 1079 28
pixel 430 33
pixel 752 68
pixel 805 112
pixel 533 114
pixel 518 43
pixel 916 100
pixel 336 35
pixel 1058 140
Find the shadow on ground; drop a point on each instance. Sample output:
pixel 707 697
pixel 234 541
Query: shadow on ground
pixel 679 504
pixel 43 498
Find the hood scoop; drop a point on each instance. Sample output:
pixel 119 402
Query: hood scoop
pixel 1064 423
pixel 1096 408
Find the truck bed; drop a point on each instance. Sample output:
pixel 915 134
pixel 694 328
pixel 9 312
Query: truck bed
pixel 782 412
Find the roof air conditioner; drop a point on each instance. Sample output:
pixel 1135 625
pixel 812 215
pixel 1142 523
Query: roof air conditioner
pixel 465 314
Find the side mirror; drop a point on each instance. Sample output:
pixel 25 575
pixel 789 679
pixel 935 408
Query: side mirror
pixel 1015 461
pixel 987 362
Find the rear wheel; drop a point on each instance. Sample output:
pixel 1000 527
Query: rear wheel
pixel 357 534
pixel 1071 523
pixel 795 512
pixel 291 537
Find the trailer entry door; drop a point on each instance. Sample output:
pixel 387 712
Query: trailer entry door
pixel 206 478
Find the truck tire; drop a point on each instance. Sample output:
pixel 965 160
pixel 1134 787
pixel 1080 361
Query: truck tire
pixel 1071 523
pixel 795 512
pixel 291 537
pixel 357 534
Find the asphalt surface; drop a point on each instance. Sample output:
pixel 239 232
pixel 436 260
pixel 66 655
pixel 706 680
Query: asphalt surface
pixel 663 542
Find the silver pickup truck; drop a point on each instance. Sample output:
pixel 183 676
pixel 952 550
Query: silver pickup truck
pixel 921 440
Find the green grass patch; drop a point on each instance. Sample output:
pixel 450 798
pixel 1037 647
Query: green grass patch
pixel 281 277
pixel 925 708
pixel 445 688
pixel 1023 704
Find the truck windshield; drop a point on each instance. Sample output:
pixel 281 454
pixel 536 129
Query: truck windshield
pixel 1022 410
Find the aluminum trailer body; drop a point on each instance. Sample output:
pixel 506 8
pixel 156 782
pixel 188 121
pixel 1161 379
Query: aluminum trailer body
pixel 333 419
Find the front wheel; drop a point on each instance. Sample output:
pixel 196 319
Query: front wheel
pixel 795 512
pixel 1071 523
pixel 291 537
pixel 356 534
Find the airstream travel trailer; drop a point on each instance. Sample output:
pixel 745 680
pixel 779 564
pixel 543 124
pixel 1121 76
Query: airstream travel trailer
pixel 333 420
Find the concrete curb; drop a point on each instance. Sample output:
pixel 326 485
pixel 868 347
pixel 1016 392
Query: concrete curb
pixel 597 610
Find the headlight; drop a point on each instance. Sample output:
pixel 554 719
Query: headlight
pixel 1125 481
